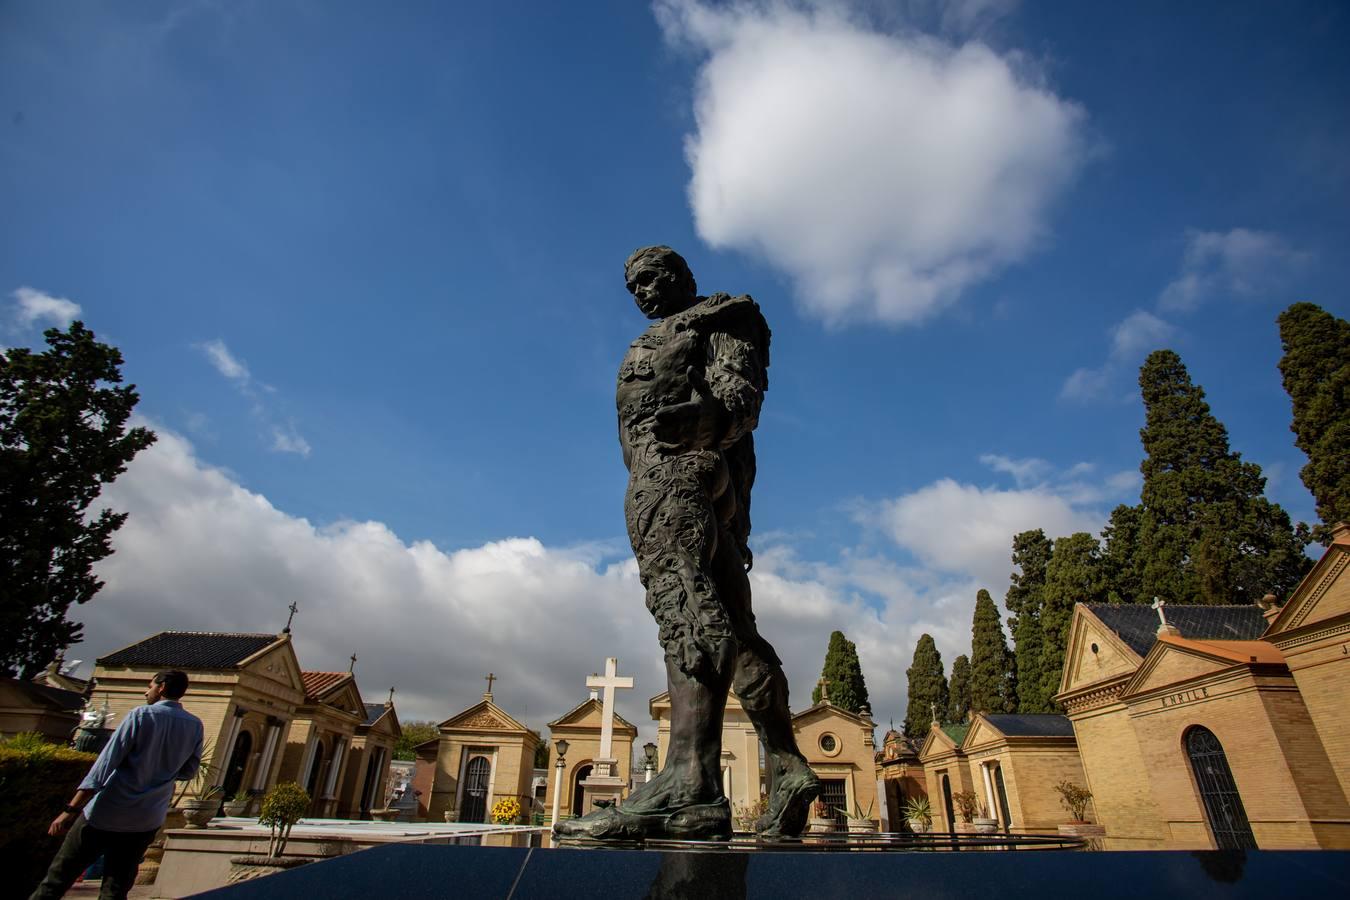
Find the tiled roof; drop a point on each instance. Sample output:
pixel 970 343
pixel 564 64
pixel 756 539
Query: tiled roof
pixel 1137 624
pixel 319 683
pixel 373 713
pixel 190 650
pixel 1031 725
pixel 1236 651
pixel 46 695
pixel 956 732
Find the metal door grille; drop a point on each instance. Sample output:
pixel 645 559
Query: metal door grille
pixel 834 794
pixel 1218 790
pixel 475 790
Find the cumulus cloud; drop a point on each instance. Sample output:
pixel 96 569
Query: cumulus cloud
pixel 1239 262
pixel 885 173
pixel 201 552
pixel 1132 338
pixel 37 307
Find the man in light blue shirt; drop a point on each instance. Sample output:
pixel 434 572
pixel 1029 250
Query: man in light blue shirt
pixel 123 800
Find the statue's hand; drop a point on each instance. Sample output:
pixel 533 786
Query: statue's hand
pixel 696 424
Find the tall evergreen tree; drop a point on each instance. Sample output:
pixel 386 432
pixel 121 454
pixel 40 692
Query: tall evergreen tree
pixel 1207 534
pixel 1316 370
pixel 958 691
pixel 1031 552
pixel 1075 575
pixel 63 436
pixel 927 687
pixel 993 686
pixel 1121 537
pixel 843 671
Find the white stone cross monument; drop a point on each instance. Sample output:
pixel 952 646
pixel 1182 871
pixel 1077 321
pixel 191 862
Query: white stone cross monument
pixel 603 783
pixel 608 683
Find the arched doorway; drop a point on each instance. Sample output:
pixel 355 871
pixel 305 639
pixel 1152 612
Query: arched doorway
pixel 1218 791
pixel 947 806
pixel 579 792
pixel 476 776
pixel 234 772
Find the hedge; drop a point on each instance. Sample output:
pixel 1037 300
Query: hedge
pixel 36 780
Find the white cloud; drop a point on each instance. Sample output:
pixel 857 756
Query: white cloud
pixel 226 363
pixel 35 306
pixel 968 530
pixel 1240 262
pixel 1132 338
pixel 1023 471
pixel 884 173
pixel 289 440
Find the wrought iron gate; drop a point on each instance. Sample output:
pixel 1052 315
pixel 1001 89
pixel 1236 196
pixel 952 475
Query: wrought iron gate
pixel 475 790
pixel 1218 790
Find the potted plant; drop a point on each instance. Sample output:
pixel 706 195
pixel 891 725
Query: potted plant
pixel 967 805
pixel 283 806
pixel 1075 798
pixel 859 821
pixel 919 814
pixel 820 820
pixel 237 805
pixel 984 823
pixel 198 798
pixel 506 811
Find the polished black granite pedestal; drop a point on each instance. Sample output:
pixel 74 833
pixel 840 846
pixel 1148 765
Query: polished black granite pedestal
pixel 409 871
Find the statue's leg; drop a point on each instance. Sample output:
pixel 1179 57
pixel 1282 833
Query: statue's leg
pixel 762 687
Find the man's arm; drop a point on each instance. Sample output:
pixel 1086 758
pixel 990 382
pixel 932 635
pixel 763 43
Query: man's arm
pixel 99 773
pixel 193 762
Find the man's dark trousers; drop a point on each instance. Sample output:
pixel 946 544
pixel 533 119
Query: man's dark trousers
pixel 121 852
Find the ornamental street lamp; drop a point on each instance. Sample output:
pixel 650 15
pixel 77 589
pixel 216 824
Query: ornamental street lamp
pixel 557 778
pixel 650 750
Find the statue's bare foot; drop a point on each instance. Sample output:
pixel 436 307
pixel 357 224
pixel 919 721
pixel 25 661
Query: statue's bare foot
pixel 664 807
pixel 791 802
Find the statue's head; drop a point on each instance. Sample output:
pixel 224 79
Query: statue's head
pixel 660 281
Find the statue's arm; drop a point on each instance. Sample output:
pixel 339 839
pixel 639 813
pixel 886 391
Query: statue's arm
pixel 735 376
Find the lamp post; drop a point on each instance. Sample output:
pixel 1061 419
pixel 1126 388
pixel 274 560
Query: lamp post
pixel 558 777
pixel 650 750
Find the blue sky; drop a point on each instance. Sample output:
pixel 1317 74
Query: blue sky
pixel 364 262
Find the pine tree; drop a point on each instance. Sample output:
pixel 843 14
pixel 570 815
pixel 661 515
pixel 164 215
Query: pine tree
pixel 1316 370
pixel 1121 537
pixel 927 687
pixel 843 672
pixel 63 436
pixel 993 688
pixel 1207 534
pixel 1075 575
pixel 959 691
pixel 1031 551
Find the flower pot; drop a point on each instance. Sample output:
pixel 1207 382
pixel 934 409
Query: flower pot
pixel 861 826
pixel 818 824
pixel 919 826
pixel 247 868
pixel 449 815
pixel 388 814
pixel 198 812
pixel 984 825
pixel 236 808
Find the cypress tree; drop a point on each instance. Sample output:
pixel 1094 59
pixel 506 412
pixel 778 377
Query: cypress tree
pixel 1075 575
pixel 1031 552
pixel 843 671
pixel 959 690
pixel 993 688
pixel 927 687
pixel 1121 537
pixel 1316 371
pixel 1207 534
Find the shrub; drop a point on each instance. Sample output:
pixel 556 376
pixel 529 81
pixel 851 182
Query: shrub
pixel 1075 799
pixel 967 803
pixel 283 806
pixel 37 779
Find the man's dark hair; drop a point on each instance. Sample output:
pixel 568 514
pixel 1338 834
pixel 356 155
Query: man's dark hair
pixel 175 683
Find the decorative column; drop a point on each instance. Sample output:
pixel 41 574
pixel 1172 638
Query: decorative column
pixel 307 759
pixel 336 770
pixel 220 761
pixel 269 750
pixel 989 791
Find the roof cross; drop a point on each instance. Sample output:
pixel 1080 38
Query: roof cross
pixel 824 685
pixel 489 679
pixel 352 667
pixel 1158 604
pixel 294 609
pixel 390 701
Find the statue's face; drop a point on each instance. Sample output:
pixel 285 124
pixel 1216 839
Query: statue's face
pixel 658 290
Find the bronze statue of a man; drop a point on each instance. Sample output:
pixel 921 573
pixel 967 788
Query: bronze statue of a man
pixel 689 394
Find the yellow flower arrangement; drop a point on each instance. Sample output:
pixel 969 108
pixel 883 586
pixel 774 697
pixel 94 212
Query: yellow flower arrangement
pixel 506 810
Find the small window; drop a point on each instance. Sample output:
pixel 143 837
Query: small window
pixel 828 743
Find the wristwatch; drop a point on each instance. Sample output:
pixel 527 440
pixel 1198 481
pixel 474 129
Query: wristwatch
pixel 72 810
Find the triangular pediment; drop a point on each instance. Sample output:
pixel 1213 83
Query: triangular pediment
pixel 982 732
pixel 277 663
pixel 1168 665
pixel 347 699
pixel 936 742
pixel 483 716
pixel 823 711
pixel 1094 653
pixel 589 714
pixel 1323 595
pixel 387 724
